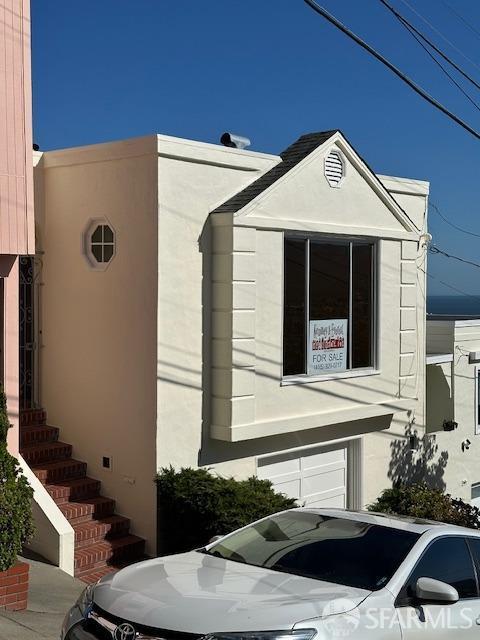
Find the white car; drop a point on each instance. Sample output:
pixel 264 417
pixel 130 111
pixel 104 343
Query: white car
pixel 297 575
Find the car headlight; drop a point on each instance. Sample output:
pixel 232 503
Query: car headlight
pixel 85 600
pixel 296 634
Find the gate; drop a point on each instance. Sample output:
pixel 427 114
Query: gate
pixel 28 304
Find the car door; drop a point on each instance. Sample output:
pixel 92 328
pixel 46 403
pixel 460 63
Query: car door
pixel 447 559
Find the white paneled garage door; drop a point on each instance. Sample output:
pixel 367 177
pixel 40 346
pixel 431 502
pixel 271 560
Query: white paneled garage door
pixel 316 477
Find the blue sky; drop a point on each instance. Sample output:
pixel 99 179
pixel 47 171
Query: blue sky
pixel 270 70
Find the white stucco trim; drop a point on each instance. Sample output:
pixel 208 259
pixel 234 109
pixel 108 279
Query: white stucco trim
pixel 439 358
pixel 265 428
pixel 54 537
pixel 322 227
pixel 351 373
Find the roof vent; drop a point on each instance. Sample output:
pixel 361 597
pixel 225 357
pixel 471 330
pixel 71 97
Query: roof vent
pixel 234 140
pixel 334 168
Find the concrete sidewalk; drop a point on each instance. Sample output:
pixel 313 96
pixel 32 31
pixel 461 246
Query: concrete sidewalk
pixel 51 593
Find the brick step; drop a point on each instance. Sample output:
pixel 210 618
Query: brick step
pixel 51 472
pixel 37 434
pixel 86 510
pixel 87 533
pixel 46 452
pixel 108 552
pixel 93 575
pixel 31 417
pixel 76 489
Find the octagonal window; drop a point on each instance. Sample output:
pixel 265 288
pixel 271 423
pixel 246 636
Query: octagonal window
pixel 99 244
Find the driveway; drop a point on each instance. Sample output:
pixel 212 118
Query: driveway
pixel 51 593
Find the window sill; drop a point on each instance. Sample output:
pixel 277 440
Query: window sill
pixel 304 379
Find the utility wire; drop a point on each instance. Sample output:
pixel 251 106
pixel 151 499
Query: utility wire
pixel 445 219
pixel 325 14
pixel 434 249
pixel 440 34
pixel 408 25
pixel 460 17
pixel 445 71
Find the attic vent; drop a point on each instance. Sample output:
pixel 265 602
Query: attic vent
pixel 334 169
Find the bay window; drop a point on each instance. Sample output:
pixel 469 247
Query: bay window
pixel 328 314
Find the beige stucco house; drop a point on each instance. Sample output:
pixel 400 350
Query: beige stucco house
pixel 252 313
pixel 451 450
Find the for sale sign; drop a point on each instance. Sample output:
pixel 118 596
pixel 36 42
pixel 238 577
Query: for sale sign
pixel 327 346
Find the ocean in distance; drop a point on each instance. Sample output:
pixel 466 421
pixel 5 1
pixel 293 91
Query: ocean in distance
pixel 454 305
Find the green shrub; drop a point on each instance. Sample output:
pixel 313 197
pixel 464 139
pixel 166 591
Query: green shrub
pixel 196 505
pixel 420 501
pixel 16 524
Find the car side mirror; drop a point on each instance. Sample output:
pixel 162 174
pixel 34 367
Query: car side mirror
pixel 430 590
pixel 214 539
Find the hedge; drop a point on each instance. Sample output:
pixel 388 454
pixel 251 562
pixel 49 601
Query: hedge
pixel 421 501
pixel 195 505
pixel 16 523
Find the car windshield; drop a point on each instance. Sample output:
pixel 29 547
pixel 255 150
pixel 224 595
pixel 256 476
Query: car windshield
pixel 340 550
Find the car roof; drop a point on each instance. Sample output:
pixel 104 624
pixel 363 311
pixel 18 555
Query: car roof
pixel 395 521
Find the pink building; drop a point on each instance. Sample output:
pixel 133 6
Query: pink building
pixel 17 231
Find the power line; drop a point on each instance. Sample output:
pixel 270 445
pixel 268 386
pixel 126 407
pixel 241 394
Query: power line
pixel 408 25
pixel 440 34
pixel 434 249
pixel 460 17
pixel 325 14
pixel 438 63
pixel 445 219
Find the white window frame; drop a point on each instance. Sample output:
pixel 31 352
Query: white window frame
pixel 374 369
pixel 92 226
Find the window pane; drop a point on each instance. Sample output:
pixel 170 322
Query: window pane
pixel 362 300
pixel 346 552
pixel 294 308
pixel 107 234
pixel 329 281
pixel 328 343
pixel 97 252
pixel 447 560
pixel 97 234
pixel 107 252
pixel 474 544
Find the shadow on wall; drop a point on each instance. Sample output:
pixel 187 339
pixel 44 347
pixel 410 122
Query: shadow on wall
pixel 424 464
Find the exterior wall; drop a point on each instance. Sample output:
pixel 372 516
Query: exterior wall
pixel 16 179
pixel 452 466
pixel 98 328
pixel 193 179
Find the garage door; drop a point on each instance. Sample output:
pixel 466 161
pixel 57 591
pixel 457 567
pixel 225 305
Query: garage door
pixel 316 477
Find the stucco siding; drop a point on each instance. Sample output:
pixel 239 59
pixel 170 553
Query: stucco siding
pixel 98 328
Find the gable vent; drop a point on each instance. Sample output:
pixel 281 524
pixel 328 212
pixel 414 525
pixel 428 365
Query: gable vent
pixel 334 169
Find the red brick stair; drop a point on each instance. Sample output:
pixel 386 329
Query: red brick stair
pixel 103 541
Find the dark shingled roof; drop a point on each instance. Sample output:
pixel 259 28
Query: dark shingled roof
pixel 294 154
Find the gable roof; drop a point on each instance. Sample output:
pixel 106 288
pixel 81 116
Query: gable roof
pixel 292 155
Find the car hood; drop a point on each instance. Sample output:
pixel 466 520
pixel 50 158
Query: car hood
pixel 197 593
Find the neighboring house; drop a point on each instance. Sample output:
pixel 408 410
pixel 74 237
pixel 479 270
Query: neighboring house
pixel 250 313
pixel 452 448
pixel 16 191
